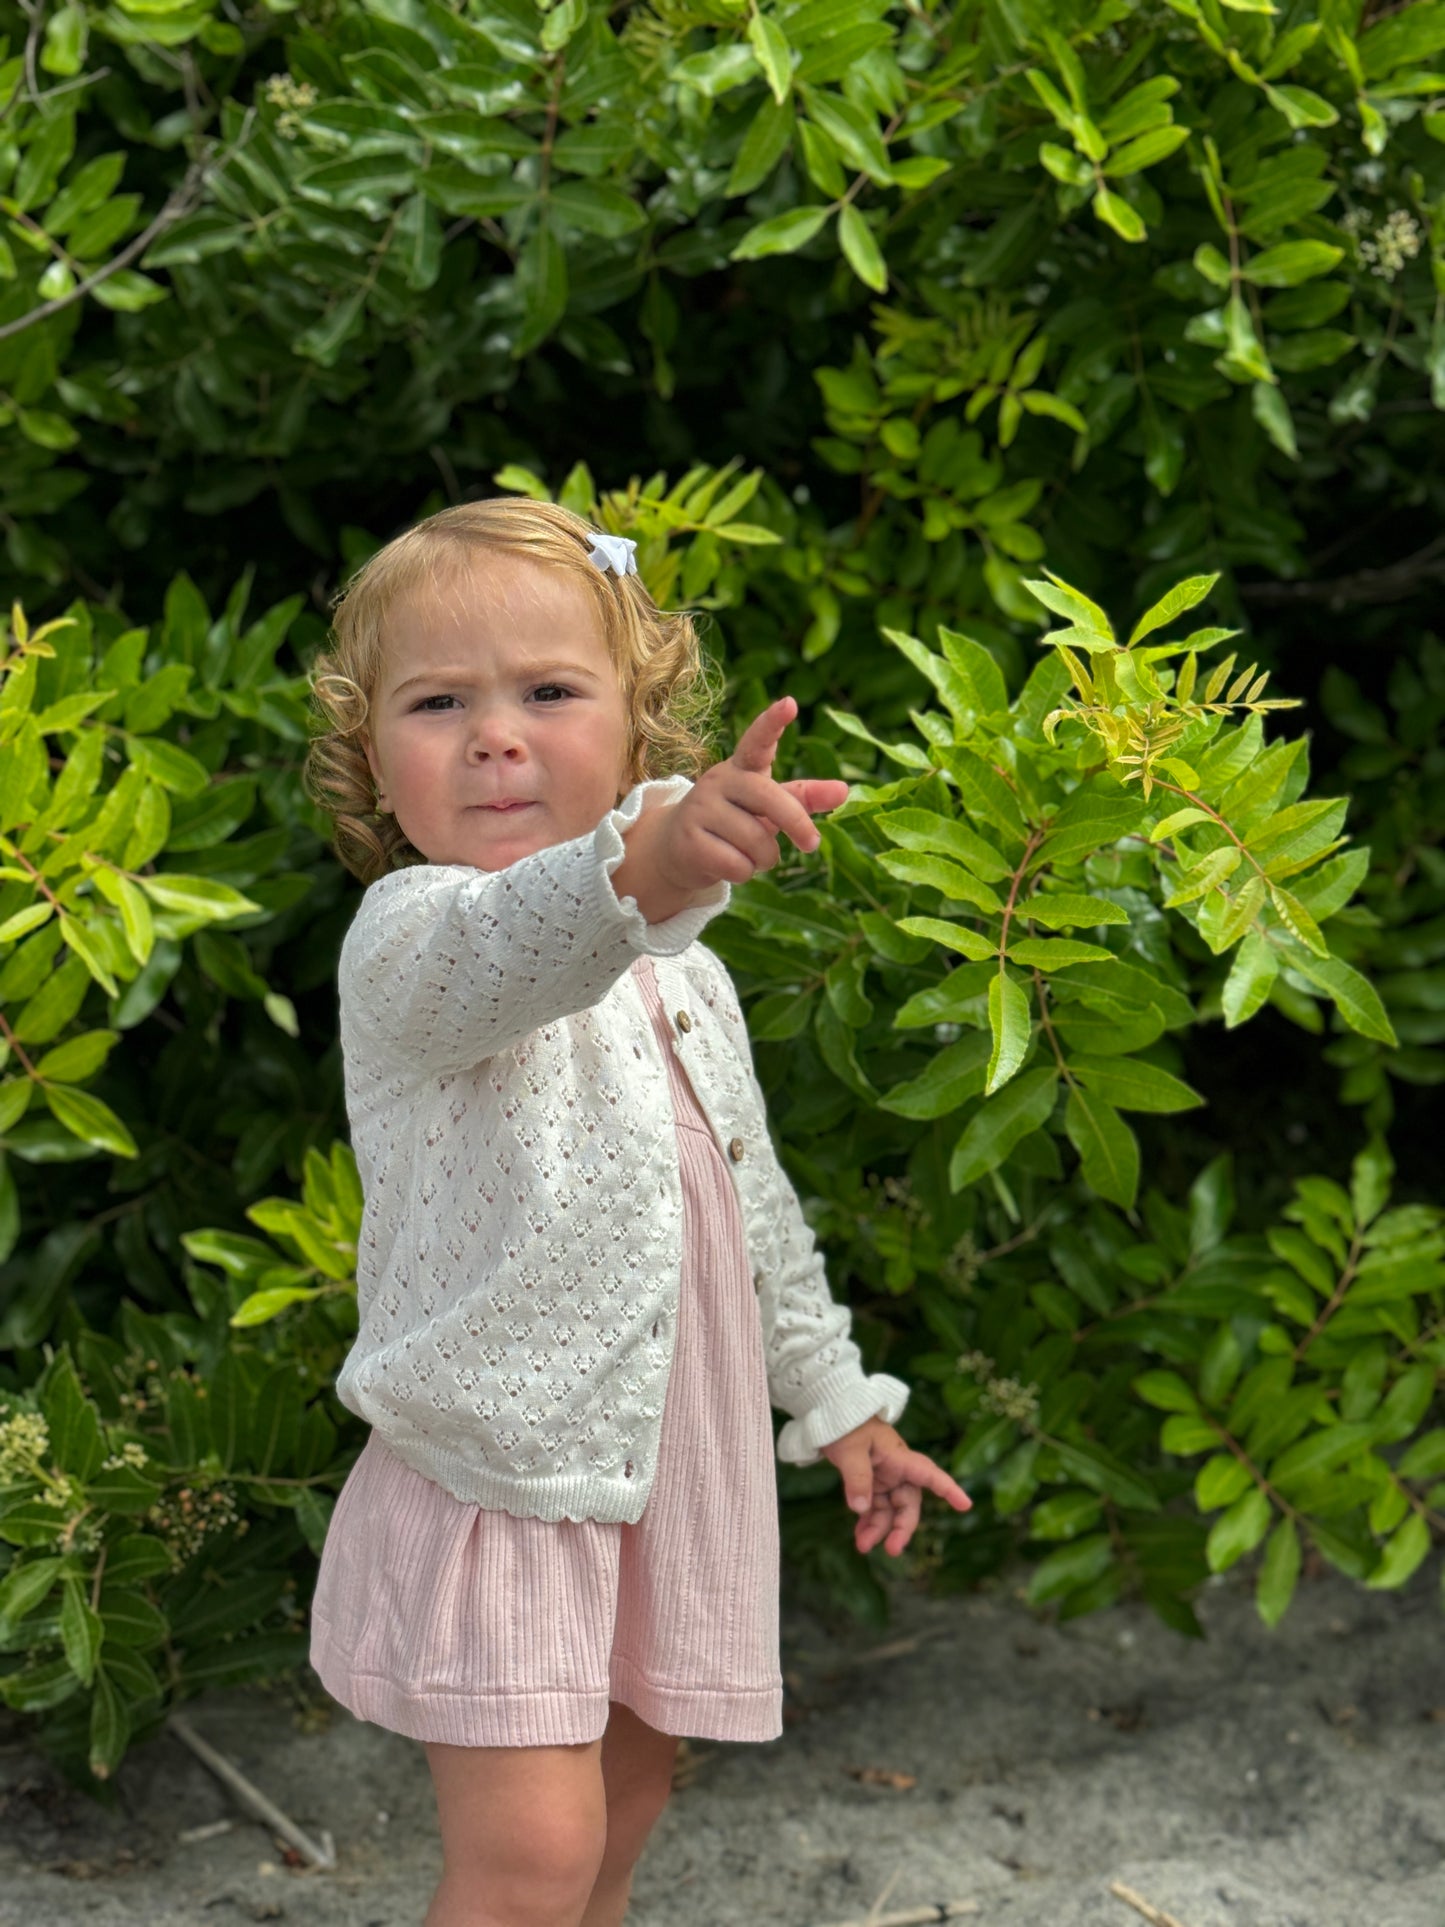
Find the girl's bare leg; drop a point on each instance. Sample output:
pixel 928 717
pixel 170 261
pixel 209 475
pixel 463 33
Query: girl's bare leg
pixel 523 1834
pixel 637 1763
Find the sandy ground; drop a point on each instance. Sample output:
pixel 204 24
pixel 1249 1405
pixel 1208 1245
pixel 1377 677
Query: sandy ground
pixel 969 1752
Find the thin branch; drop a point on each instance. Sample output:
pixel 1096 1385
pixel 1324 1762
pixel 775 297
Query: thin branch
pixel 1392 584
pixel 182 202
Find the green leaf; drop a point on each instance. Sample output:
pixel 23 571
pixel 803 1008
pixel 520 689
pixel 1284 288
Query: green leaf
pixel 1056 953
pixel 956 1074
pixel 1064 601
pixel 1209 873
pixel 173 769
pixel 1184 595
pixel 860 249
pixel 1115 212
pixel 1250 980
pixel 1237 1531
pixel 983 791
pixel 1424 1460
pixel 1065 1515
pixel 46 430
pixel 109 1727
pixel 938 873
pixel 1298 921
pixel 926 830
pixel 196 896
pixel 1290 263
pixel 87 1118
pixel 1108 1149
pixel 770 46
pixel 78 1057
pixel 1220 1481
pixel 1146 150
pixel 262 1306
pixel 954 936
pixel 1072 169
pixel 1320 1452
pixel 762 147
pixel 1408 36
pixel 1271 411
pixel 1133 1085
pixel 1278 1572
pixel 26 920
pixel 1410 1398
pixel 1166 1391
pixel 1406 1550
pixel 781 233
pixel 1370 1177
pixel 24 1586
pixel 1354 996
pixel 1022 1106
pixel 1186 1434
pixel 1010 1023
pixel 597 207
pixel 1091 1465
pixel 853 132
pixel 1061 910
pixel 1176 821
pixel 1300 106
pixel 1072 1566
pixel 81 1632
pixel 543 281
pixel 717 69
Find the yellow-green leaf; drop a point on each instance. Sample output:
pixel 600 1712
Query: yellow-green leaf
pixel 86 1117
pixel 1115 212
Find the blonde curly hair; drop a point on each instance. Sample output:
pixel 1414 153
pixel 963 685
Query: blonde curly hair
pixel 672 695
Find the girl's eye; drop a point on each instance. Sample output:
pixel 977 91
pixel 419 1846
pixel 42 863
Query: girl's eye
pixel 447 699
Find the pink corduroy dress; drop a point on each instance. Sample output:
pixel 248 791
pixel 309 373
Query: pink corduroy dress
pixel 474 1627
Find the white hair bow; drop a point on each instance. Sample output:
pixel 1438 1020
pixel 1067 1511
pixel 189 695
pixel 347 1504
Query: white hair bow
pixel 615 552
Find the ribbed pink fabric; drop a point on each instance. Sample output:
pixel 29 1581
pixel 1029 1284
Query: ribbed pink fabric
pixel 451 1622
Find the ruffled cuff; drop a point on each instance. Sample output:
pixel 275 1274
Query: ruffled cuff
pixel 847 1399
pixel 672 934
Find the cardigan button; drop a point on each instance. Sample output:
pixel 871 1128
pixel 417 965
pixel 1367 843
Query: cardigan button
pixel 735 1149
pixel 757 1281
pixel 684 1022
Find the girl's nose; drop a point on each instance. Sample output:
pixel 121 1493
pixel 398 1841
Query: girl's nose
pixel 498 732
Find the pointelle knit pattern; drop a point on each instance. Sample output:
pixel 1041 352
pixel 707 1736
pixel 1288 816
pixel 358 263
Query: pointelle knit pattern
pixel 520 1255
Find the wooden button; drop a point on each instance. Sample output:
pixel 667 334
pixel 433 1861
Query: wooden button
pixel 735 1149
pixel 684 1022
pixel 757 1281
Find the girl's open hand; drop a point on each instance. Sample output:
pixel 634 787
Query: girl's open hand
pixel 727 826
pixel 881 1470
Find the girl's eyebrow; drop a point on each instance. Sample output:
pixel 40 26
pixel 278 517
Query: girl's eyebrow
pixel 462 676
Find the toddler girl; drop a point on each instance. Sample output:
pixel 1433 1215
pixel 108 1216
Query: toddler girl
pixel 582 1274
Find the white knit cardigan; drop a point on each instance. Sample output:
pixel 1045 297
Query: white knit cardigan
pixel 520 1254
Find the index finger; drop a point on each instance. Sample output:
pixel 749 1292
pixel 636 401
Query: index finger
pixel 923 1472
pixel 758 744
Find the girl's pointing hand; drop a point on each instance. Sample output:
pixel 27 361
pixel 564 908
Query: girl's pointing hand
pixel 727 827
pixel 884 1480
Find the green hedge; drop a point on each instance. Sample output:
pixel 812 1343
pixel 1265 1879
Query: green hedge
pixel 901 321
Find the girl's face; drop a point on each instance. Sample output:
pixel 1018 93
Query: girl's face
pixel 498 689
